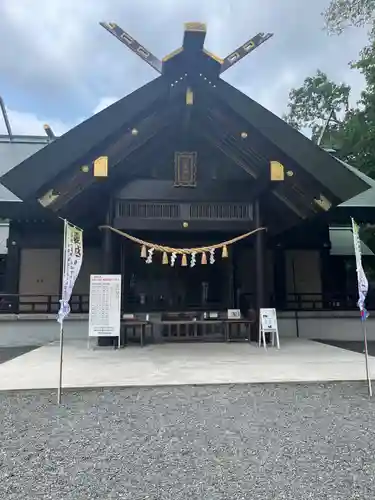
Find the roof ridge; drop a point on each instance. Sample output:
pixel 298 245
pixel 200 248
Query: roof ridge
pixel 358 172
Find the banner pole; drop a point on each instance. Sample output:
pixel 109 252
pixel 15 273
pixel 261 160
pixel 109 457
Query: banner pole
pixel 60 364
pixel 364 330
pixel 70 224
pixel 362 294
pixel 62 321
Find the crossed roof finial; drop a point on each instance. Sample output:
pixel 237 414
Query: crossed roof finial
pixel 194 36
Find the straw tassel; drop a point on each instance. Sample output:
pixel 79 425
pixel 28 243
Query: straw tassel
pixel 143 252
pixel 204 259
pixel 224 253
pixel 184 260
pixel 165 258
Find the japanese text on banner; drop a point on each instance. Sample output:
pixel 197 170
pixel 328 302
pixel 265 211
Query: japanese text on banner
pixel 73 256
pixel 361 276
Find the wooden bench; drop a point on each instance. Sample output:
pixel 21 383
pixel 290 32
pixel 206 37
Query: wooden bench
pixel 133 324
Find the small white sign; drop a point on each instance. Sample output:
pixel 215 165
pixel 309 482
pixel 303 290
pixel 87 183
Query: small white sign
pixel 268 324
pixel 105 305
pixel 234 314
pixel 268 319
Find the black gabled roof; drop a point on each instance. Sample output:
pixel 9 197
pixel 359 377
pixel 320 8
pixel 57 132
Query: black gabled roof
pixel 326 169
pixel 26 179
pixel 219 113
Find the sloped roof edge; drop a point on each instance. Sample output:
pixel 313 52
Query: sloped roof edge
pixel 50 161
pixel 364 199
pixel 294 145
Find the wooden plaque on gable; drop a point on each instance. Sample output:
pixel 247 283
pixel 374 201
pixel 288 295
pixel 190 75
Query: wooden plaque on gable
pixel 185 165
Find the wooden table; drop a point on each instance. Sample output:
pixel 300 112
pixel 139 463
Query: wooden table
pixel 242 321
pixel 134 324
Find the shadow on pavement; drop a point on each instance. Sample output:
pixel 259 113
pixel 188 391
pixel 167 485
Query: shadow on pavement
pixel 8 353
pixel 349 345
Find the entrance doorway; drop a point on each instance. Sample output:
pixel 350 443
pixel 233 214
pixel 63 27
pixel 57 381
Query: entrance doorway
pixel 158 287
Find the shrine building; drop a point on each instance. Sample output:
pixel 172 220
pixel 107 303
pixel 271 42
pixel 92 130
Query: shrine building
pixel 186 161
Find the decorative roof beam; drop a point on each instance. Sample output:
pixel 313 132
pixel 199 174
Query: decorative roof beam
pixel 302 190
pixel 219 122
pixel 194 36
pixel 240 158
pixel 133 45
pixel 226 135
pixel 49 132
pixel 244 50
pixel 229 154
pixel 117 152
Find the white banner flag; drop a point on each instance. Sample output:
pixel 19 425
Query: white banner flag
pixel 73 256
pixel 361 276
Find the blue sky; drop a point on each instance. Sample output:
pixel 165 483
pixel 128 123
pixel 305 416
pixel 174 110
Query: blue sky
pixel 60 66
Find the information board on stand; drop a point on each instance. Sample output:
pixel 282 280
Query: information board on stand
pixel 105 306
pixel 268 325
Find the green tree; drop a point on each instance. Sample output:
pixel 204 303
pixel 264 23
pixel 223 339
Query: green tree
pixel 351 132
pixel 341 14
pixel 360 128
pixel 317 100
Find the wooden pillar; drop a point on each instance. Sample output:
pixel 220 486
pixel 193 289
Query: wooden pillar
pixel 228 291
pixel 107 242
pixel 107 263
pixel 260 255
pixel 13 262
pixel 325 268
pixel 124 274
pixel 280 277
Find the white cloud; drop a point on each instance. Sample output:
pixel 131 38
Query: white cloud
pixel 58 57
pixel 104 103
pixel 32 124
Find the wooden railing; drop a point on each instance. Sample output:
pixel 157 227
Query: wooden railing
pixel 193 210
pixel 325 302
pixel 40 304
pixel 316 301
pixel 49 304
pixel 156 303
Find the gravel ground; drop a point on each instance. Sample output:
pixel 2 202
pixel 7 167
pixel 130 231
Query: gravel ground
pixel 214 442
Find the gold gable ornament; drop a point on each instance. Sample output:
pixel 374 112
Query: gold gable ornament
pixel 277 171
pixel 189 97
pixel 323 203
pixel 101 166
pixel 48 198
pixel 194 26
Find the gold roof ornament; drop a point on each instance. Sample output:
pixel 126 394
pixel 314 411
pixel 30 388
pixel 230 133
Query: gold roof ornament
pixel 48 198
pixel 195 26
pixel 323 202
pixel 101 166
pixel 277 171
